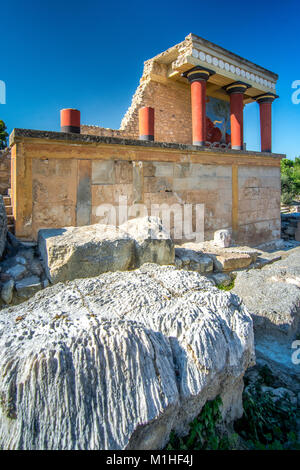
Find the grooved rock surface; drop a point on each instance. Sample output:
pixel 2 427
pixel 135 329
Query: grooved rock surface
pixel 3 226
pixel 272 295
pixel 118 361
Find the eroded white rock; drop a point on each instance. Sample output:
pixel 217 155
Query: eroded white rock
pixel 118 361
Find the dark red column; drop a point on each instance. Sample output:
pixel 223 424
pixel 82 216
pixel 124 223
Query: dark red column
pixel 198 77
pixel 236 91
pixel 146 123
pixel 265 110
pixel 70 120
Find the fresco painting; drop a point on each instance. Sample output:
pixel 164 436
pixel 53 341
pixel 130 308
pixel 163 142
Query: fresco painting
pixel 217 121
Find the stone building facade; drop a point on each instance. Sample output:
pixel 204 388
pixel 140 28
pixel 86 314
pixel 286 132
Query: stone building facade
pixel 198 91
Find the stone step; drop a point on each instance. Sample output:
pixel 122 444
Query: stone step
pixel 10 220
pixel 8 210
pixel 7 200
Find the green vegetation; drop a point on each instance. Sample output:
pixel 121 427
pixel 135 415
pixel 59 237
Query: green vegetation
pixel 265 425
pixel 203 433
pixel 290 180
pixel 3 135
pixel 228 287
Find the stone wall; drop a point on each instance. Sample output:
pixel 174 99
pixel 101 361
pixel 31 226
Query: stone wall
pixel 172 104
pixel 62 180
pixel 103 131
pixel 5 160
pixel 259 203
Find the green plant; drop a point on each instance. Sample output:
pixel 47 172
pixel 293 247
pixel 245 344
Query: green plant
pixel 290 180
pixel 3 135
pixel 267 376
pixel 228 287
pixel 266 423
pixel 203 431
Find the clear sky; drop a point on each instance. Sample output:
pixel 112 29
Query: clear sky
pixel 89 55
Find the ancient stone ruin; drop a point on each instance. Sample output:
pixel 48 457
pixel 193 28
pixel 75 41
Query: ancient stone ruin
pixel 180 143
pixel 140 231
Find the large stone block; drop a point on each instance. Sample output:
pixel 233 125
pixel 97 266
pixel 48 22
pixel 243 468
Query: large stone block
pixel 103 172
pixel 118 361
pixel 75 252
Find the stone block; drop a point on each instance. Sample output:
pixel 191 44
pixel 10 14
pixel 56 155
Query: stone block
pixel 28 286
pixel 80 252
pixel 103 172
pixel 222 238
pixel 123 172
pixel 231 261
pixel 7 291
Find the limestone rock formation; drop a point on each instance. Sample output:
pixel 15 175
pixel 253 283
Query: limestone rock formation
pixel 153 243
pixel 3 226
pixel 272 296
pixel 118 361
pixel 76 252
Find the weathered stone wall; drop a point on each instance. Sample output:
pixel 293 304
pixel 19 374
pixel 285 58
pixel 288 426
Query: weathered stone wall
pixel 5 160
pixel 103 131
pixel 172 104
pixel 62 180
pixel 259 203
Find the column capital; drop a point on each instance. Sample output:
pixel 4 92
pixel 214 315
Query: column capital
pixel 265 98
pixel 198 73
pixel 236 87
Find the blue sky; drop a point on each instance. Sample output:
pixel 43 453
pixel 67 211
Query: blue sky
pixel 89 55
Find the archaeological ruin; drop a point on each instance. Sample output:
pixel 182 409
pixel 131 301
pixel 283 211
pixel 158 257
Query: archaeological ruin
pixel 180 142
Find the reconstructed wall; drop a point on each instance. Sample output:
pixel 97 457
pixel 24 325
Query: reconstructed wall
pixel 60 180
pixel 171 101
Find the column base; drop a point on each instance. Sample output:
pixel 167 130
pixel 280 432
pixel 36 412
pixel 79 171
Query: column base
pixel 237 147
pixel 70 129
pixel 147 137
pixel 199 143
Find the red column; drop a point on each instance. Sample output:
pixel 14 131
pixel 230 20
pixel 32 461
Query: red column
pixel 198 77
pixel 236 91
pixel 265 110
pixel 198 100
pixel 70 120
pixel 146 123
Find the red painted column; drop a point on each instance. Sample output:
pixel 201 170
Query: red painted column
pixel 198 77
pixel 70 120
pixel 265 110
pixel 236 91
pixel 146 123
pixel 198 99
